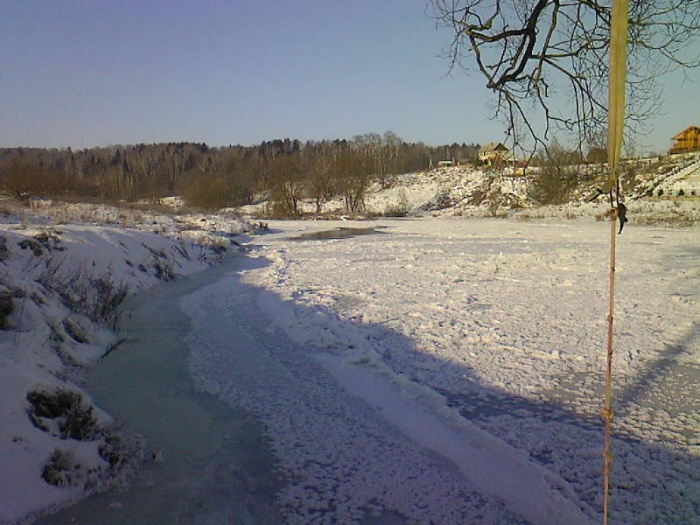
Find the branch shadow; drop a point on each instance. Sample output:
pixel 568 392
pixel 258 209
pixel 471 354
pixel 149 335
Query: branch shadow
pixel 659 369
pixel 650 479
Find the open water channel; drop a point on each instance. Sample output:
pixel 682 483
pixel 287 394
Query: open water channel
pixel 212 464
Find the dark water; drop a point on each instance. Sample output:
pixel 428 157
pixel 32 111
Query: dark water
pixel 337 233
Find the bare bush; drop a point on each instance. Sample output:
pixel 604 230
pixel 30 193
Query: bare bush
pixel 6 308
pixel 60 470
pixel 75 418
pixel 556 176
pixel 96 297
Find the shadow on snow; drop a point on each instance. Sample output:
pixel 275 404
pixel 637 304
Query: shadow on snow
pixel 649 480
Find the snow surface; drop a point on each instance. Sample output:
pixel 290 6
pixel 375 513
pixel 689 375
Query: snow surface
pixel 480 341
pixel 422 374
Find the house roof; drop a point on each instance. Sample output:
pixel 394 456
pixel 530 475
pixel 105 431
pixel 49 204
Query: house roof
pixel 493 146
pixel 686 130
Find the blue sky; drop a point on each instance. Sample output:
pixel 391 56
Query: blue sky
pixel 96 73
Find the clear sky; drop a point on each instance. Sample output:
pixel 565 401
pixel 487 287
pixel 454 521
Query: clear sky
pixel 97 72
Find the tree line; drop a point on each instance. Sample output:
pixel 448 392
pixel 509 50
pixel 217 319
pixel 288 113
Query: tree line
pixel 284 171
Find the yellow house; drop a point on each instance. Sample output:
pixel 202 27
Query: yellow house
pixel 494 153
pixel 687 140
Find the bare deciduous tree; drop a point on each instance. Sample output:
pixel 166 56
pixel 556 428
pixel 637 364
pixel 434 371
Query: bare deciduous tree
pixel 556 175
pixel 547 60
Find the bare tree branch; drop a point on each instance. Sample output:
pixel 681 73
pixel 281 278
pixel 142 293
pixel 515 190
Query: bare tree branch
pixel 547 60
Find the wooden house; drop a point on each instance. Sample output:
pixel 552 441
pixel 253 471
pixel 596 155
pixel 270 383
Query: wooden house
pixel 494 153
pixel 686 141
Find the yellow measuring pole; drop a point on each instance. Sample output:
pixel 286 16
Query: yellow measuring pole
pixel 616 119
pixel 616 90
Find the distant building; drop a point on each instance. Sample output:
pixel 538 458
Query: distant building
pixel 686 141
pixel 494 153
pixel 517 169
pixel 36 203
pixel 445 163
pixel 462 161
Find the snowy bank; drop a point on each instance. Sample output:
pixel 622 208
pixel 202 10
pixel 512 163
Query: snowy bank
pixel 466 191
pixel 60 287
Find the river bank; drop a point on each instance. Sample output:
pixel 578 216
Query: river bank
pixel 205 461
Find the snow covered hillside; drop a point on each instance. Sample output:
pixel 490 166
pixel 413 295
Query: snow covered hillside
pixel 60 286
pixel 656 192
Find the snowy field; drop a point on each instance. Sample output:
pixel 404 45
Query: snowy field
pixel 451 371
pixel 436 370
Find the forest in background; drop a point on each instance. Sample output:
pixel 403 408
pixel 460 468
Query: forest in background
pixel 285 171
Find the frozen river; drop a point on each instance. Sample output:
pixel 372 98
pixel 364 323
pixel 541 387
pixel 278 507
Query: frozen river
pixel 213 464
pixel 447 372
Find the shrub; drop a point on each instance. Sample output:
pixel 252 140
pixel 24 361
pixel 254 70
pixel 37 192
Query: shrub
pixel 115 451
pixel 6 307
pixel 60 471
pixel 106 300
pixel 98 298
pixel 4 250
pixel 397 210
pixel 76 419
pixel 74 331
pixel 49 239
pixel 34 246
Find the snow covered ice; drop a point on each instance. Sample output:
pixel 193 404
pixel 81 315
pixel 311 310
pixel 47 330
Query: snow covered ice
pixel 443 370
pixel 392 370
